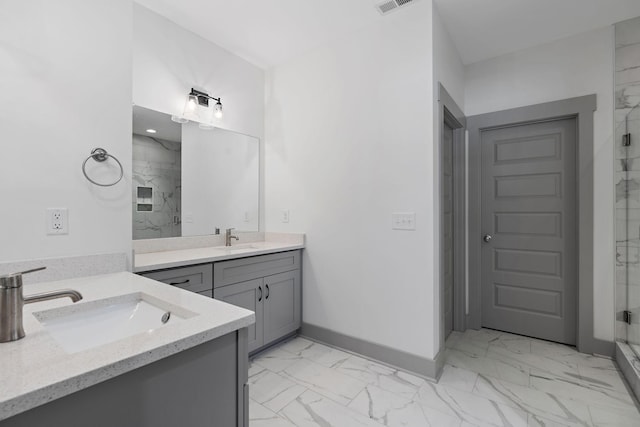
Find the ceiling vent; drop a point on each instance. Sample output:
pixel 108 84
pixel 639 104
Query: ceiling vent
pixel 391 5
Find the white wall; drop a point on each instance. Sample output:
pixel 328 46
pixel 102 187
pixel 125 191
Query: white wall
pixel 447 64
pixel 169 60
pixel 571 67
pixel 349 141
pixel 220 179
pixel 66 88
pixel 448 70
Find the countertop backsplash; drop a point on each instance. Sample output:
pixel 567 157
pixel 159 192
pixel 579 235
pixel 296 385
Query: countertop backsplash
pixel 178 243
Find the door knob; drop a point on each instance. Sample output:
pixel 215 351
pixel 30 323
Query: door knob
pixel 487 238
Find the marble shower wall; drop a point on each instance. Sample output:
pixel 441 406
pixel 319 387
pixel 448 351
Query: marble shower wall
pixel 627 179
pixel 157 164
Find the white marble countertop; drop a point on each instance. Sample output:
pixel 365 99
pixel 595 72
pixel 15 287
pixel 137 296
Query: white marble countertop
pixel 36 370
pixel 179 258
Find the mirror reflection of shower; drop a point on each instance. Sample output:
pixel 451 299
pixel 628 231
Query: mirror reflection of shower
pixel 190 181
pixel 157 175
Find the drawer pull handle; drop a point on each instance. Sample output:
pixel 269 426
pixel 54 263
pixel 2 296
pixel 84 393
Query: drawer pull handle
pixel 180 283
pixel 267 286
pixel 260 297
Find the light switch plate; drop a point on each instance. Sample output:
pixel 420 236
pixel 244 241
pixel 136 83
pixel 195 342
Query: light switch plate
pixel 285 215
pixel 403 221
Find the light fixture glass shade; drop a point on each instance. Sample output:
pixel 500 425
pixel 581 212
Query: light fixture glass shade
pixel 191 109
pixel 217 110
pixel 179 119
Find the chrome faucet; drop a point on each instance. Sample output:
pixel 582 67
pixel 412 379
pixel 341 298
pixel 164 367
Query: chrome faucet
pixel 12 301
pixel 228 237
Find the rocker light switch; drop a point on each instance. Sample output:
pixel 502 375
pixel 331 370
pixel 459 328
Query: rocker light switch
pixel 403 221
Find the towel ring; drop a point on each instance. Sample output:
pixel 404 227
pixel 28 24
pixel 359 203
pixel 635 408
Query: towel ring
pixel 101 155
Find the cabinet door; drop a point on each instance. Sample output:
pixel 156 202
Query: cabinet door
pixel 249 295
pixel 281 305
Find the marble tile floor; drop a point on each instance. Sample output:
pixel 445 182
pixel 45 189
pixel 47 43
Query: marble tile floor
pixel 490 378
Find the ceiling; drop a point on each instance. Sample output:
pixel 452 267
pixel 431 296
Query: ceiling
pixel 268 32
pixel 275 31
pixel 165 128
pixel 483 29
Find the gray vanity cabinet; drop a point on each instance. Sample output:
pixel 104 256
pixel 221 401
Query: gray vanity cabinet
pixel 201 386
pixel 247 295
pixel 281 305
pixel 270 286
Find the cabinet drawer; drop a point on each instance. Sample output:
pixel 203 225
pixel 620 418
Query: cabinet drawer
pixel 196 278
pixel 241 270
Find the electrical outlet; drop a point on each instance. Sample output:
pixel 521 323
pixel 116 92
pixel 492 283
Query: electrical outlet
pixel 285 215
pixel 246 216
pixel 57 221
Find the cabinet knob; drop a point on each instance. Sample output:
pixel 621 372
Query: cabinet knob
pixel 487 238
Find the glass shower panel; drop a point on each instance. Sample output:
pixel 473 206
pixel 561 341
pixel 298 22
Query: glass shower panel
pixel 628 192
pixel 627 181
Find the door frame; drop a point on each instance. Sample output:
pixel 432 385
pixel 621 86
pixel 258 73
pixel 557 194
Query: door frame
pixel 580 108
pixel 452 115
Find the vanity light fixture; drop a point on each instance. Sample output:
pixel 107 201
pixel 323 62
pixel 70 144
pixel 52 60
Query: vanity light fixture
pixel 179 119
pixel 217 109
pixel 197 99
pixel 191 110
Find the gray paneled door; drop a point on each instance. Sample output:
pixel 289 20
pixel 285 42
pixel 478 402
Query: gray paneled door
pixel 447 226
pixel 529 249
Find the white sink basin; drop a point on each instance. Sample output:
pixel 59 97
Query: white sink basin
pixel 82 326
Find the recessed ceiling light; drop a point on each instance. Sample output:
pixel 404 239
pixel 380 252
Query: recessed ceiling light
pixel 151 130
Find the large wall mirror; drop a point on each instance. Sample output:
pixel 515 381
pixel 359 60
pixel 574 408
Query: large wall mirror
pixel 188 181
